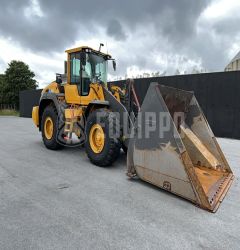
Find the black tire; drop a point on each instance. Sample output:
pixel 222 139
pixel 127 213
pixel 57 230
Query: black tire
pixel 52 143
pixel 112 144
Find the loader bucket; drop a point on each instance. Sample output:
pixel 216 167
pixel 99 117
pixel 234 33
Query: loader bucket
pixel 173 147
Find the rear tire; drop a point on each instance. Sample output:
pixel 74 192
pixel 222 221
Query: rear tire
pixel 49 125
pixel 110 150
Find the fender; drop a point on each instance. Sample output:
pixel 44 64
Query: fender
pixel 45 100
pixel 96 103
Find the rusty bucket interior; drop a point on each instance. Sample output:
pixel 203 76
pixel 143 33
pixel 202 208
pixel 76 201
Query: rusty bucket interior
pixel 174 148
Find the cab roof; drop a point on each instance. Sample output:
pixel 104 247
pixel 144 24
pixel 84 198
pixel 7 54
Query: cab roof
pixel 86 48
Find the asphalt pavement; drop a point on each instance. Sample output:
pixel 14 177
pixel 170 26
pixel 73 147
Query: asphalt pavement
pixel 59 200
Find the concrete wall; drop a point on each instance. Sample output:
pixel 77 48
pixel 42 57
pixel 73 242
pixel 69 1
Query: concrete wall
pixel 217 94
pixel 28 99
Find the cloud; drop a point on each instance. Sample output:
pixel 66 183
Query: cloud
pixel 153 35
pixel 49 25
pixel 115 30
pixel 2 65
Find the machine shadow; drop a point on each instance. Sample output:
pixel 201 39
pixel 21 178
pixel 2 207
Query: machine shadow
pixel 163 191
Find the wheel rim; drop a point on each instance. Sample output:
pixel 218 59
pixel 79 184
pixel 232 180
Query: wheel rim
pixel 48 128
pixel 96 138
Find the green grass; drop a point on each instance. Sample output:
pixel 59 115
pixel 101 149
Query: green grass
pixel 9 112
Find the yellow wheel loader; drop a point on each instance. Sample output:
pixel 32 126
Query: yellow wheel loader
pixel 168 140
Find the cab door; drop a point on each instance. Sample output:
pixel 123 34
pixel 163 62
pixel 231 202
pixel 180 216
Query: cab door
pixel 73 85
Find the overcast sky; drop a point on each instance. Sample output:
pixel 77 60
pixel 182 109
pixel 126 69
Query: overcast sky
pixel 144 36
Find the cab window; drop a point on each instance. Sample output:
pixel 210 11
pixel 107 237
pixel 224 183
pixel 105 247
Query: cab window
pixel 86 76
pixel 75 68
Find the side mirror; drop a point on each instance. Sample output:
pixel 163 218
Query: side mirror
pixel 58 78
pixel 114 65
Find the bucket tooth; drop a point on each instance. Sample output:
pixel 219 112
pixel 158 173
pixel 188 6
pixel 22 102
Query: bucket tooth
pixel 178 155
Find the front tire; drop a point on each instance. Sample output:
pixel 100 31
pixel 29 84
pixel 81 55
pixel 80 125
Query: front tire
pixel 102 147
pixel 49 125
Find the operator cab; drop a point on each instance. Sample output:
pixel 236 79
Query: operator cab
pixel 85 66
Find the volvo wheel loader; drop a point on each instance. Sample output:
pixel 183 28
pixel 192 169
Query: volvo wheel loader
pixel 167 139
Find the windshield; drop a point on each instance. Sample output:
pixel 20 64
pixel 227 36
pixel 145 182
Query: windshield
pixel 96 68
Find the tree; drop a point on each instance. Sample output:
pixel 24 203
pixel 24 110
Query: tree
pixel 177 72
pixel 18 77
pixel 2 89
pixel 163 73
pixel 195 70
